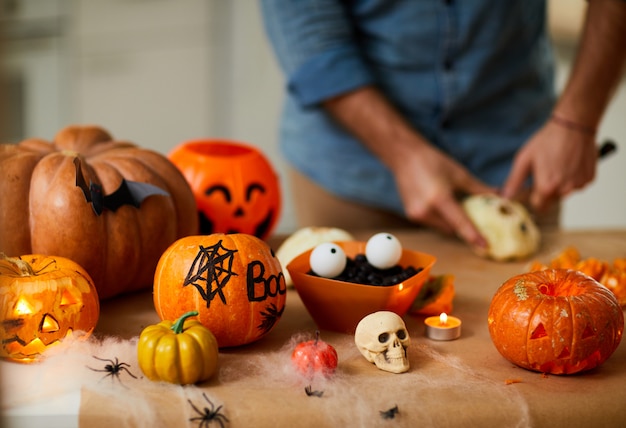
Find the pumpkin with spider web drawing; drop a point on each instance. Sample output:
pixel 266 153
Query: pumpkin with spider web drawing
pixel 234 281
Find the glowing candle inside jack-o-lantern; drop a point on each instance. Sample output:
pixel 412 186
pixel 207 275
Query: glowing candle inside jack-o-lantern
pixel 22 307
pixel 43 300
pixel 236 188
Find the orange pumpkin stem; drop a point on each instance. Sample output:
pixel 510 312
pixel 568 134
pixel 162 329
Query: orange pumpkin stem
pixel 178 325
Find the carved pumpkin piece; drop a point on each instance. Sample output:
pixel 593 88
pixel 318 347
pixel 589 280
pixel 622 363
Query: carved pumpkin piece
pixel 611 275
pixel 235 186
pixel 42 301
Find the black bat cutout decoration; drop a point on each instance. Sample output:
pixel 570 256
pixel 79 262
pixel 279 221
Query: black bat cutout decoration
pixel 129 192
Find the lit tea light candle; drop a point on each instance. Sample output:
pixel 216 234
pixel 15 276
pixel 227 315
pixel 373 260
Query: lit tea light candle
pixel 443 327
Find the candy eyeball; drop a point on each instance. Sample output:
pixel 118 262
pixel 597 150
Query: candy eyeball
pixel 383 250
pixel 328 260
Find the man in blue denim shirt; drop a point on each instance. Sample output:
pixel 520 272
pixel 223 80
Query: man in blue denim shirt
pixel 405 105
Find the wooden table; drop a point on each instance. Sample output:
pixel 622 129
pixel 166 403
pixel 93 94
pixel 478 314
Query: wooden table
pixel 458 383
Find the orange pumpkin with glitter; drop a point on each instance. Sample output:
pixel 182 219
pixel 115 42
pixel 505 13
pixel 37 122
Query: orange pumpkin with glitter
pixel 555 321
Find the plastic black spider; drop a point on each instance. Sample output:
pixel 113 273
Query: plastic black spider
pixel 113 369
pixel 311 392
pixel 209 414
pixel 390 414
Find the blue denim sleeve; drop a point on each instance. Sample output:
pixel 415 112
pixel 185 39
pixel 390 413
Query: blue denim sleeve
pixel 314 43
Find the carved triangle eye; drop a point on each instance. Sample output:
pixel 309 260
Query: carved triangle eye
pixel 588 332
pixel 68 298
pixel 539 332
pixel 23 307
pixel 49 324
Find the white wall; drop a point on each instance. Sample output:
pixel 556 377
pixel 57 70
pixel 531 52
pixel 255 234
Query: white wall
pixel 164 71
pixel 602 204
pixel 160 72
pixel 142 69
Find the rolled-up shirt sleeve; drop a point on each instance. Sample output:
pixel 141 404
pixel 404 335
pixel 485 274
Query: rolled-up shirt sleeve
pixel 315 46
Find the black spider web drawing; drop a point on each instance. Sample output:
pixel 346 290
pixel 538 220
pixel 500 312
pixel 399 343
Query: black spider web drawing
pixel 210 272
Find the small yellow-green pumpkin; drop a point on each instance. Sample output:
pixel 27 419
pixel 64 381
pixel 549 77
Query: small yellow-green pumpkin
pixel 181 352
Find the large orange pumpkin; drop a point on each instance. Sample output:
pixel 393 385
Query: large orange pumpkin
pixel 43 300
pixel 69 197
pixel 236 187
pixel 555 321
pixel 234 282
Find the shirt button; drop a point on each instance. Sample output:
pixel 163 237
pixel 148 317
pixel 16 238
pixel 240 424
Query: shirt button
pixel 448 2
pixel 448 64
pixel 445 124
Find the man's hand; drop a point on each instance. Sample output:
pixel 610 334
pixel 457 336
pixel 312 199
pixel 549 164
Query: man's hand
pixel 561 157
pixel 559 160
pixel 428 180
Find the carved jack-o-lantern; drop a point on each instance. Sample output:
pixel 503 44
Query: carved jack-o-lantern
pixel 557 321
pixel 236 188
pixel 43 300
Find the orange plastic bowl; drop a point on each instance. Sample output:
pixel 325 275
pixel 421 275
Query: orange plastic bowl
pixel 339 306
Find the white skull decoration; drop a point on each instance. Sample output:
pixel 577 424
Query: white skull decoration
pixel 382 338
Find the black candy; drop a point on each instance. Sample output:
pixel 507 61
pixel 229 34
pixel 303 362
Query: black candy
pixel 360 271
